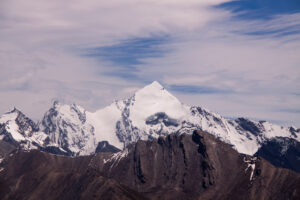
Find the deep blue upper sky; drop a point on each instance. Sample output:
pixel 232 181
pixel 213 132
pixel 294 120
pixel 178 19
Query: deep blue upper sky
pixel 261 9
pixel 129 54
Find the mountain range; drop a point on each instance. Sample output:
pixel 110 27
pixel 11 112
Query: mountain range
pixel 185 166
pixel 149 113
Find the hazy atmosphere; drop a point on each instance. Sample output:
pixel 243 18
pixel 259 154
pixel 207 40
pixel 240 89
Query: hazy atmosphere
pixel 235 58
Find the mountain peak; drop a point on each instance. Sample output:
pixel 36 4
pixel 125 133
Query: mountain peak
pixel 155 92
pixel 152 88
pixel 155 84
pixel 13 112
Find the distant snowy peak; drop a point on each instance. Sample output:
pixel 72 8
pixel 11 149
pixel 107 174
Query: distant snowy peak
pixel 18 125
pixel 154 99
pixel 18 129
pixel 124 121
pixel 154 93
pixel 67 128
pixel 151 112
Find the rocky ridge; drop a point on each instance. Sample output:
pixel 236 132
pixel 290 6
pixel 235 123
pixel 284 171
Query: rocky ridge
pixel 186 166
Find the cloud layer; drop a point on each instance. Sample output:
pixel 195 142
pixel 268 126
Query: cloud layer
pixel 205 52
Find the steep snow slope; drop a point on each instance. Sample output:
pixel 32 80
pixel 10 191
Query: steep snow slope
pixel 16 128
pixel 67 128
pixel 151 112
pixel 153 99
pixel 104 121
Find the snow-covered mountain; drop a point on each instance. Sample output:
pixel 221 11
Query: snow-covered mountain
pixel 21 131
pixel 66 126
pixel 151 112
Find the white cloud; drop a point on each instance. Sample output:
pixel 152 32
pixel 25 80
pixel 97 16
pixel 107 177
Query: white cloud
pixel 39 42
pixel 261 71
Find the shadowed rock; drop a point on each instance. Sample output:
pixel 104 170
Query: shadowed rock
pixel 196 166
pixel 104 146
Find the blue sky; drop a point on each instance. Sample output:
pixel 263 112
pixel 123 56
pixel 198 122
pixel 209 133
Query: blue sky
pixel 128 55
pixel 260 9
pixel 236 58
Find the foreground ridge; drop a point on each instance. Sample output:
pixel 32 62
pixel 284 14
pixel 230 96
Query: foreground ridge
pixel 186 166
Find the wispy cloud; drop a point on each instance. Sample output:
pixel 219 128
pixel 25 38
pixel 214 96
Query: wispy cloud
pixel 238 58
pixel 129 55
pixel 192 89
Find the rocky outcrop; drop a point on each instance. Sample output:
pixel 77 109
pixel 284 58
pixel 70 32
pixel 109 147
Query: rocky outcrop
pixel 281 152
pixel 104 146
pixel 39 175
pixel 196 166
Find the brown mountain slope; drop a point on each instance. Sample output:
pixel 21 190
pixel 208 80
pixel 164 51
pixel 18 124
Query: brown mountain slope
pixel 39 175
pixel 194 166
pixel 197 166
pixel 5 148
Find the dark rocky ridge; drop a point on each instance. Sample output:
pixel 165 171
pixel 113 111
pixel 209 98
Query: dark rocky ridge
pixel 6 148
pixel 248 125
pixel 196 166
pixel 104 146
pixel 281 152
pixel 39 175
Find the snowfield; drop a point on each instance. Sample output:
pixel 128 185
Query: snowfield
pixel 151 112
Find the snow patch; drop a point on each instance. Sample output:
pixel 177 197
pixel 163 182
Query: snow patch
pixel 116 157
pixel 251 166
pixel 104 121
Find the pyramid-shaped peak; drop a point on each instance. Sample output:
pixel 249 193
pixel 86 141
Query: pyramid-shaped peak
pixel 152 87
pixel 155 84
pixel 154 92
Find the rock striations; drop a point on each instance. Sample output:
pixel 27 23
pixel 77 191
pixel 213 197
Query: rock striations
pixel 186 166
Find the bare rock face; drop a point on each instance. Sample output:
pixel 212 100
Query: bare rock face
pixel 281 152
pixel 104 146
pixel 196 166
pixel 39 175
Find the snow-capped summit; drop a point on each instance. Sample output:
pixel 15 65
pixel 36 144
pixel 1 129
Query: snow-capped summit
pixel 66 126
pixel 151 112
pixel 17 129
pixel 18 125
pixel 153 99
pixel 153 86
